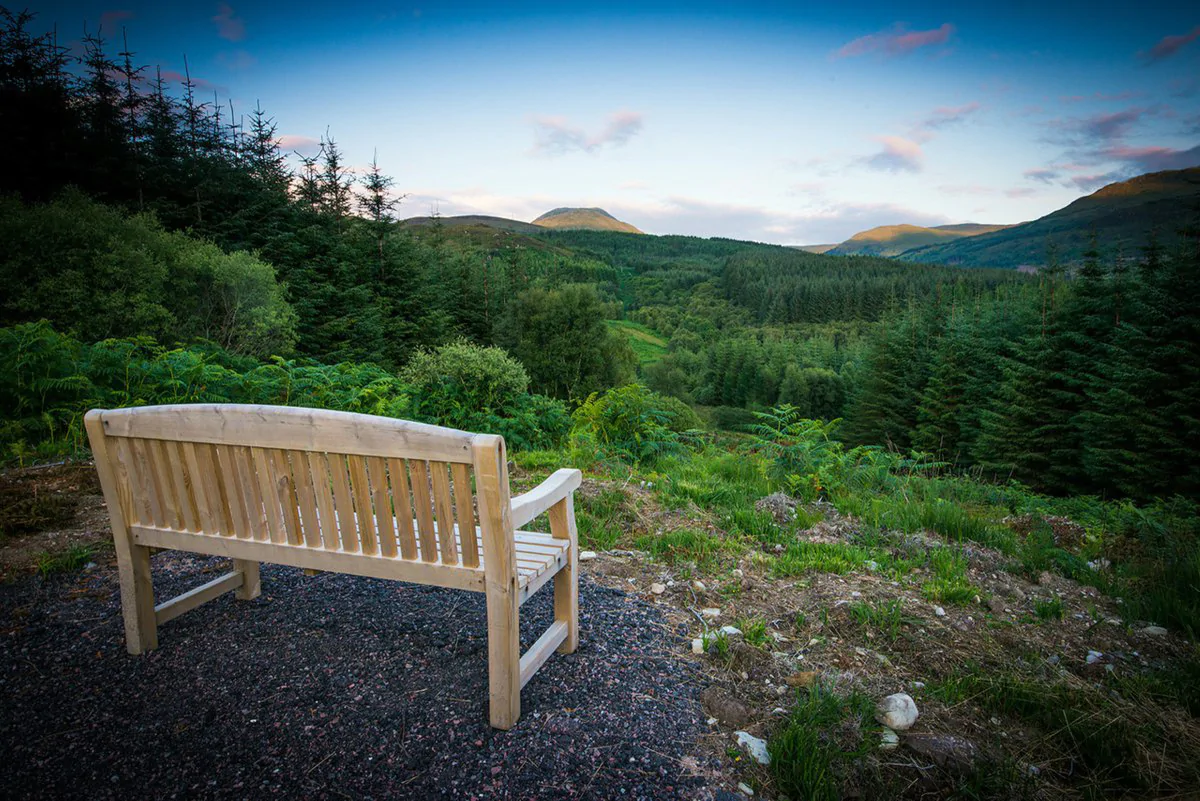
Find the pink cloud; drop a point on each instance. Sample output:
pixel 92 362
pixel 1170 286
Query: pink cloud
pixel 1041 174
pixel 949 115
pixel 1170 45
pixel 896 42
pixel 229 25
pixel 1021 191
pixel 556 136
pixel 110 19
pixel 898 155
pixel 304 145
pixel 1154 159
pixel 174 76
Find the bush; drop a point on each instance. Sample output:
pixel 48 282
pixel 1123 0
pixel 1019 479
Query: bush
pixel 632 423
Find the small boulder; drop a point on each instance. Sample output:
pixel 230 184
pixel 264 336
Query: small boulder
pixel 745 789
pixel 939 611
pixel 888 740
pixel 710 612
pixel 658 589
pixel 586 556
pixel 1155 631
pixel 731 631
pixel 995 604
pixel 755 747
pixel 948 751
pixel 698 647
pixel 898 712
pixel 698 586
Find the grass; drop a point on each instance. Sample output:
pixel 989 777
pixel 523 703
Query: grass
pixel 1115 736
pixel 825 557
pixel 884 618
pixel 823 734
pixel 68 561
pixel 648 346
pixel 754 631
pixel 1051 609
pixel 602 519
pixel 950 584
pixel 683 545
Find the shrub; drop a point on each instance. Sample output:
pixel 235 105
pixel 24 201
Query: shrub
pixel 630 423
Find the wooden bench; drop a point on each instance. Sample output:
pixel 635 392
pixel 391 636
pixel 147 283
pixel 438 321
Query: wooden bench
pixel 341 492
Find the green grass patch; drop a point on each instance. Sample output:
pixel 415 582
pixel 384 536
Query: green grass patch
pixel 823 735
pixel 823 557
pixel 683 545
pixel 603 518
pixel 68 561
pixel 884 618
pixel 1051 609
pixel 948 591
pixel 754 631
pixel 648 346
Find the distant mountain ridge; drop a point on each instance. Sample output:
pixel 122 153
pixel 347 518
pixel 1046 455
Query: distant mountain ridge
pixel 1122 214
pixel 588 219
pixel 892 240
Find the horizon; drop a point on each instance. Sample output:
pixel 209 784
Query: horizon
pixel 701 121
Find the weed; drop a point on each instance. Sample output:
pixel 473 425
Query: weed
pixel 603 519
pixel 801 622
pixel 826 557
pixel 68 561
pixel 1051 609
pixel 949 591
pixel 682 545
pixel 884 618
pixel 823 733
pixel 754 631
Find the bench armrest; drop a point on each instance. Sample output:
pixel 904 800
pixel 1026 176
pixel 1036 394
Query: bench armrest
pixel 559 485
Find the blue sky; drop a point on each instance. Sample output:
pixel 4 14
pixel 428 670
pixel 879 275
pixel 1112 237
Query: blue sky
pixel 798 124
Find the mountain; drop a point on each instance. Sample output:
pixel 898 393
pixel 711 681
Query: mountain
pixel 814 248
pixel 892 240
pixel 1122 215
pixel 502 223
pixel 588 219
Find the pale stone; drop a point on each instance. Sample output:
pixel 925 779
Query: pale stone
pixel 898 711
pixel 753 746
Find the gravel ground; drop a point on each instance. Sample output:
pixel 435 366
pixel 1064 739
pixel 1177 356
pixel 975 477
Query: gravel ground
pixel 333 686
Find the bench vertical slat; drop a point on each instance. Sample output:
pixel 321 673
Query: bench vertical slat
pixel 205 514
pixel 319 468
pixel 160 473
pixel 465 515
pixel 251 493
pixel 143 476
pixel 424 509
pixel 232 482
pixel 402 508
pixel 383 506
pixel 285 484
pixel 218 494
pixel 136 511
pixel 268 485
pixel 361 486
pixel 343 499
pixel 445 514
pixel 307 495
pixel 176 470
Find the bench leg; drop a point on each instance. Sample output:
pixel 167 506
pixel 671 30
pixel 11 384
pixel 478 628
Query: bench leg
pixel 137 597
pixel 566 580
pixel 251 584
pixel 504 657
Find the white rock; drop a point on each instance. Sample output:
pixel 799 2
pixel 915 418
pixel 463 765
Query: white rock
pixel 731 631
pixel 918 685
pixel 698 586
pixel 888 740
pixel 939 611
pixel 856 594
pixel 745 789
pixel 658 589
pixel 897 712
pixel 1094 656
pixel 712 721
pixel 1155 631
pixel 753 746
pixel 585 556
pixel 778 711
pixel 698 646
pixel 710 612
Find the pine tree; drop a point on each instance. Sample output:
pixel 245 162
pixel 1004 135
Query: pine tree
pixel 377 205
pixel 335 182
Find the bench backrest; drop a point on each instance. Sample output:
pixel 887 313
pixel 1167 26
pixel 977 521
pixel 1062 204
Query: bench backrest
pixel 313 478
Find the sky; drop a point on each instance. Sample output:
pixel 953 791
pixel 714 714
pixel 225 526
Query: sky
pixel 797 123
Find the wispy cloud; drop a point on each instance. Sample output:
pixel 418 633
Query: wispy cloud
pixel 1153 159
pixel 1020 191
pixel 229 25
pixel 945 116
pixel 1043 174
pixel 898 155
pixel 304 145
pixel 556 135
pixel 896 41
pixel 174 76
pixel 1169 46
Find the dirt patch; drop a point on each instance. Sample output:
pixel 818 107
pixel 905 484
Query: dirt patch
pixel 48 510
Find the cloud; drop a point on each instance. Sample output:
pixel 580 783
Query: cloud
pixel 229 25
pixel 1110 126
pixel 556 136
pixel 1090 183
pixel 237 60
pixel 1020 191
pixel 110 19
pixel 174 76
pixel 898 155
pixel 1042 174
pixel 1170 45
pixel 897 41
pixel 1154 159
pixel 944 116
pixel 304 145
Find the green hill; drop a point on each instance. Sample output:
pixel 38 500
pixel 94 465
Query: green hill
pixel 1123 215
pixel 487 221
pixel 586 219
pixel 892 240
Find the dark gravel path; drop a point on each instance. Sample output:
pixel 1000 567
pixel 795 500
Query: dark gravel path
pixel 331 687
